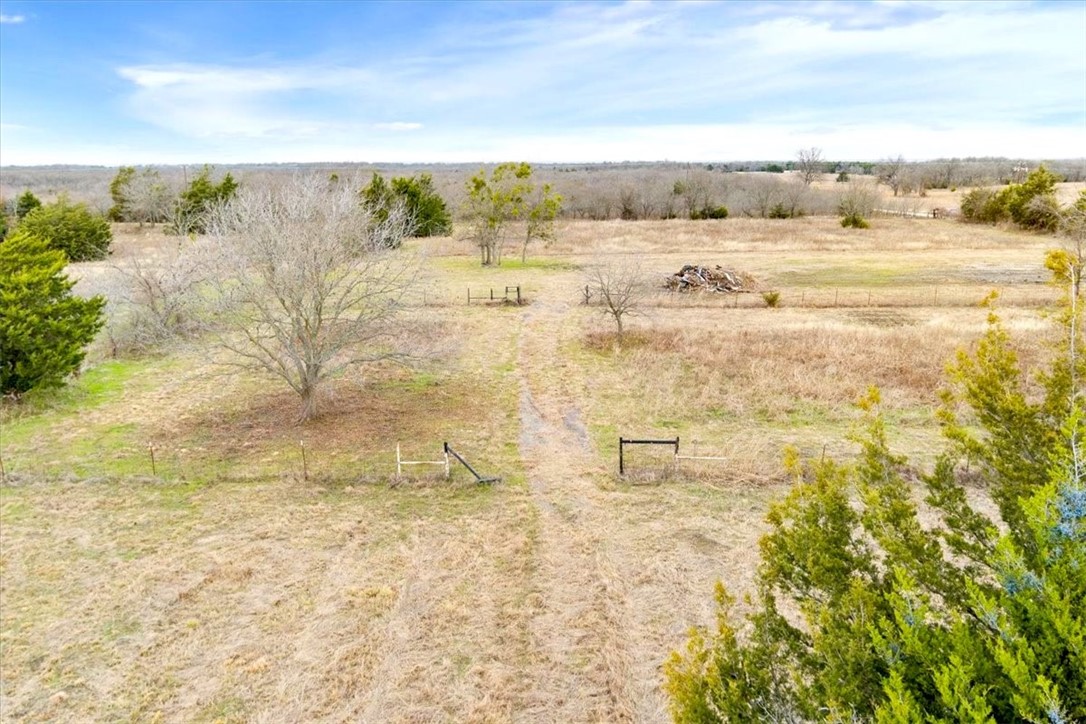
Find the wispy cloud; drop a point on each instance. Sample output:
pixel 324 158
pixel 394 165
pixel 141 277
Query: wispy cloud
pixel 646 81
pixel 258 102
pixel 11 19
pixel 397 126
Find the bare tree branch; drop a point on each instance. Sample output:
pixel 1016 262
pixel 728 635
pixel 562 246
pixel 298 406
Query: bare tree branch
pixel 306 282
pixel 620 289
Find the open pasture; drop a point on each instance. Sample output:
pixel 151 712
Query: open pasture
pixel 231 580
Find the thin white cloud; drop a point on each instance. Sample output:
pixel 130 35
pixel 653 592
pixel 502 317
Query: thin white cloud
pixel 397 126
pixel 869 79
pixel 12 19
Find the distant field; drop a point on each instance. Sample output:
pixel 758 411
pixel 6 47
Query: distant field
pixel 229 581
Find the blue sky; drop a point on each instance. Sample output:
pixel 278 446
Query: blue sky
pixel 232 82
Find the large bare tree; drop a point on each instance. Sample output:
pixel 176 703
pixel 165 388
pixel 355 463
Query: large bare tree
pixel 810 165
pixel 307 282
pixel 891 171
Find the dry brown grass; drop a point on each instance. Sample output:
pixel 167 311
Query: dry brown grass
pixel 553 596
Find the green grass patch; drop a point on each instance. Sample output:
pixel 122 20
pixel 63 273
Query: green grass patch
pixel 471 263
pixel 101 384
pixel 417 382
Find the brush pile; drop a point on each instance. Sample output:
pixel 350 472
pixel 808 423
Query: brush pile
pixel 702 278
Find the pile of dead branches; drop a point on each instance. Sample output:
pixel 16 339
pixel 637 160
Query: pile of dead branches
pixel 717 279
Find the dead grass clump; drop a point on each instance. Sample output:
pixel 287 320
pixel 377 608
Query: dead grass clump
pixel 608 341
pixel 804 370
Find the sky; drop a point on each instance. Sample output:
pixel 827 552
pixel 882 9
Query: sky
pixel 451 82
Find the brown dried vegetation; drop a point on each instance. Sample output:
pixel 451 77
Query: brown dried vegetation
pixel 229 588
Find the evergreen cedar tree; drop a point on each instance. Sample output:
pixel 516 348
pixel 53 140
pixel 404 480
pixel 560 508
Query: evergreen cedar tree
pixel 196 200
pixel 71 228
pixel 864 613
pixel 1031 204
pixel 26 203
pixel 44 328
pixel 424 206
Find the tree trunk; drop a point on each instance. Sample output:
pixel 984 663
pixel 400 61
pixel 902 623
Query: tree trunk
pixel 308 394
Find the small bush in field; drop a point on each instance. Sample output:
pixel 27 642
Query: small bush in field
pixel 771 299
pixel 854 221
pixel 710 212
pixel 779 212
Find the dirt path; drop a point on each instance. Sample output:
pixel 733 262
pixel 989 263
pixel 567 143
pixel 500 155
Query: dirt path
pixel 582 628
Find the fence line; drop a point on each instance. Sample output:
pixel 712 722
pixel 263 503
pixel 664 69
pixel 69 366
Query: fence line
pixel 160 462
pixel 400 462
pixel 934 296
pixel 504 296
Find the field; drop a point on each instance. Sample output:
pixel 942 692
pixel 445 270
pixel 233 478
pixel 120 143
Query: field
pixel 176 548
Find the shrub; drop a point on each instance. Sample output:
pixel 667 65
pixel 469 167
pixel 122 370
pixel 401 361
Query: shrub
pixel 855 221
pixel 138 196
pixel 983 206
pixel 778 211
pixel 44 329
pixel 772 299
pixel 1017 198
pixel 26 203
pixel 843 177
pixel 864 613
pixel 710 212
pixel 72 228
pixel 1030 204
pixel 190 212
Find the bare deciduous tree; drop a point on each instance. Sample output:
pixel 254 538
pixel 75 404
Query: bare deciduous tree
pixel 891 172
pixel 695 189
pixel 760 194
pixel 858 199
pixel 159 299
pixel 620 289
pixel 793 194
pixel 809 163
pixel 307 282
pixel 148 197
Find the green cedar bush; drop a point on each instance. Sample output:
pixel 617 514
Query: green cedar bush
pixel 425 207
pixel 72 228
pixel 117 189
pixel 197 199
pixel 1031 204
pixel 711 212
pixel 854 220
pixel 26 203
pixel 44 329
pixel 865 613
